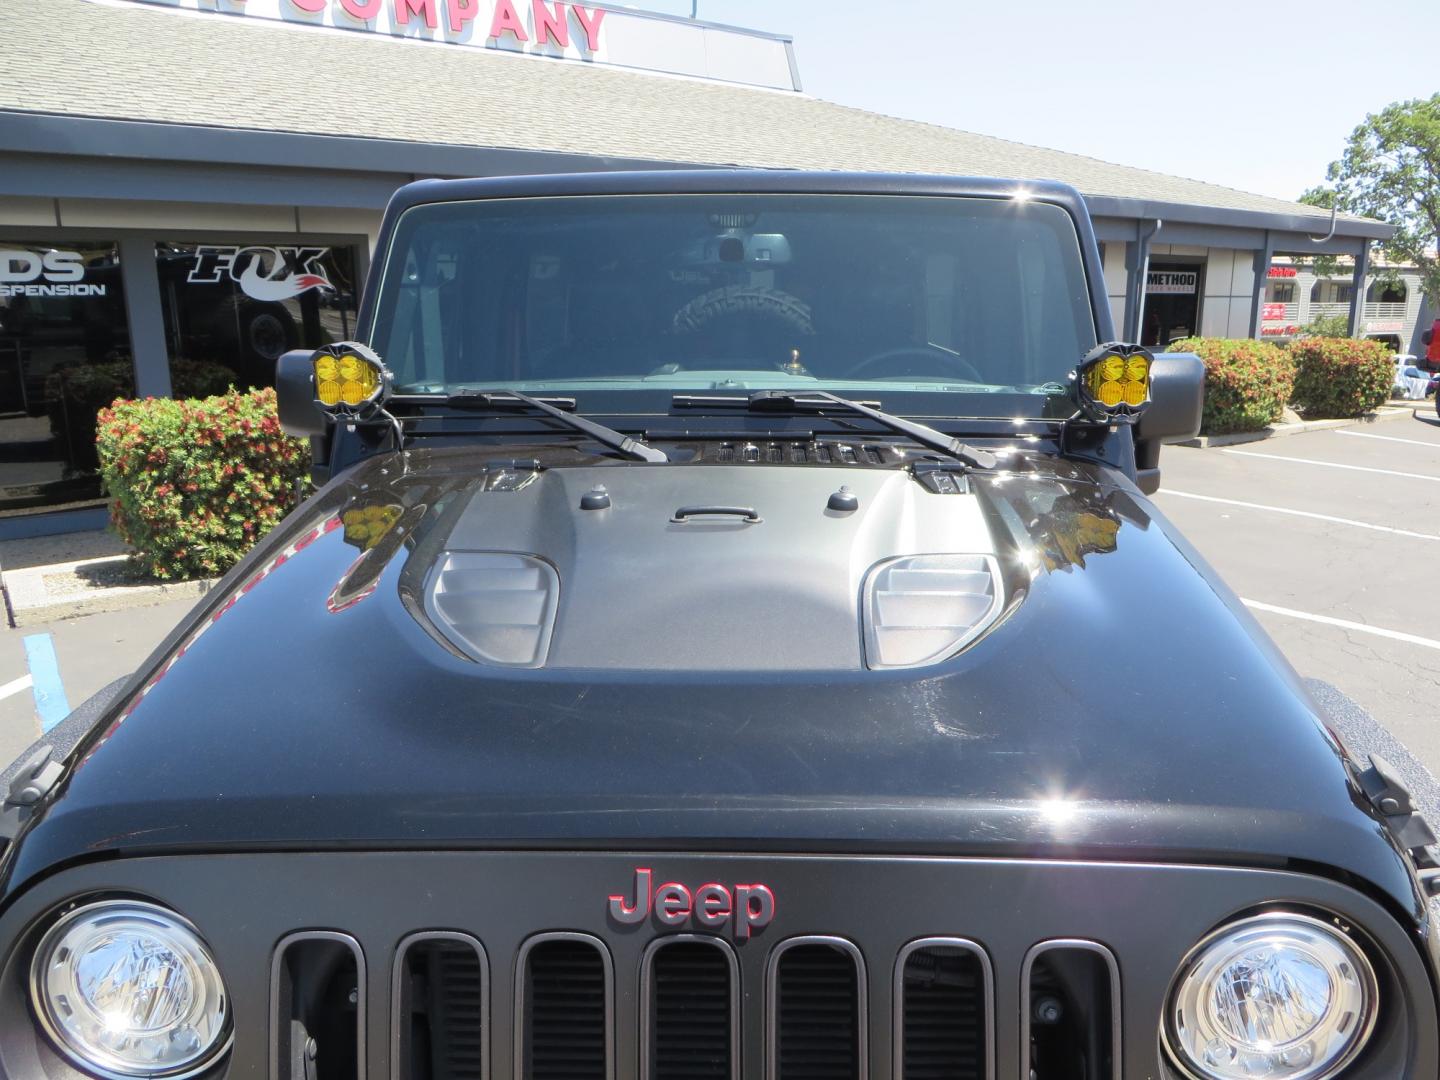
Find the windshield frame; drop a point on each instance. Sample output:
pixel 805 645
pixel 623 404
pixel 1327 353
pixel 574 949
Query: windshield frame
pixel 937 403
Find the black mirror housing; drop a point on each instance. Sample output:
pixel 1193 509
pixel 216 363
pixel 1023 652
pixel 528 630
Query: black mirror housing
pixel 295 394
pixel 1177 399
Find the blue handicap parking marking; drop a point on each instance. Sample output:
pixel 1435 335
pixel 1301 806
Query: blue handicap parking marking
pixel 50 700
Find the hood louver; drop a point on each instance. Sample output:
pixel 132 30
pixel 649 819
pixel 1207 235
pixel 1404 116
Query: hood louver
pixel 495 607
pixel 921 609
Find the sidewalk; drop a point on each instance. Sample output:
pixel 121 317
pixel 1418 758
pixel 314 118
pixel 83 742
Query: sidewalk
pixel 45 578
pixel 1293 425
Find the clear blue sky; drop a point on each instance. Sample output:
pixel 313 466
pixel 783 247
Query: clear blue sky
pixel 1255 95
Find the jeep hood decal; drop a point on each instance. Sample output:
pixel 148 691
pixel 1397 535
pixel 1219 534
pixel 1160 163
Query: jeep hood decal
pixel 712 692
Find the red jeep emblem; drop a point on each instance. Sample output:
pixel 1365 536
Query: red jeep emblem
pixel 712 905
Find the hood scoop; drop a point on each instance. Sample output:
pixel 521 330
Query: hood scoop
pixel 495 607
pixel 713 568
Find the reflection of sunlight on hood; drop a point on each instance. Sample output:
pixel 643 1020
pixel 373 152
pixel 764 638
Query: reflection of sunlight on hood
pixel 1058 811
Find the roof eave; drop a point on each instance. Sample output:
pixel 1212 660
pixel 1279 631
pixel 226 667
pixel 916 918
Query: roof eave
pixel 1311 225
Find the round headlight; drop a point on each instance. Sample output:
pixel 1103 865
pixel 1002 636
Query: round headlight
pixel 1280 996
pixel 128 989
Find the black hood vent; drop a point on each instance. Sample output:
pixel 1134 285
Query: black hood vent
pixel 692 1010
pixel 943 1012
pixel 565 1008
pixel 817 1009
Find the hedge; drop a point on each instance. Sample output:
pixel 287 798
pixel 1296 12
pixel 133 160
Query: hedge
pixel 1247 382
pixel 1340 377
pixel 193 484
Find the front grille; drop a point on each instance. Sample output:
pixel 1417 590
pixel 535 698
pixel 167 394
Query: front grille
pixel 565 1008
pixel 690 990
pixel 817 1010
pixel 441 1002
pixel 942 1003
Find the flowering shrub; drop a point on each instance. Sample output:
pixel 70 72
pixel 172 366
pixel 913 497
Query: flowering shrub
pixel 1246 382
pixel 1340 377
pixel 194 484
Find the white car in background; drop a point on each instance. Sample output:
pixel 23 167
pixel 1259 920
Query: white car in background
pixel 1410 381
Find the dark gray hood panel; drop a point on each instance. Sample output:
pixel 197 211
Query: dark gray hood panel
pixel 1127 707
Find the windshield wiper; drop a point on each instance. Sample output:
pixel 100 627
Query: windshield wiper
pixel 632 448
pixel 785 401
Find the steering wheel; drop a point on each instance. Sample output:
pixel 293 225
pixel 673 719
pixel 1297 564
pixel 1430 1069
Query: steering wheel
pixel 928 353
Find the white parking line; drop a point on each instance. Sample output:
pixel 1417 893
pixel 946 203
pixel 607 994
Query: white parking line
pixel 1390 438
pixel 1301 513
pixel 15 686
pixel 1345 624
pixel 1332 465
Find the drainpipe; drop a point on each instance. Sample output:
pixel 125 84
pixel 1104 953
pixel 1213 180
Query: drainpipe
pixel 1136 321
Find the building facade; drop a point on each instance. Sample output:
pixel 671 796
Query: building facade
pixel 208 195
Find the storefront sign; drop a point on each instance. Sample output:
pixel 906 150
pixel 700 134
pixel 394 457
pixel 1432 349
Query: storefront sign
pixel 1279 331
pixel 45 273
pixel 1171 282
pixel 1387 326
pixel 263 273
pixel 553 28
pixel 1272 311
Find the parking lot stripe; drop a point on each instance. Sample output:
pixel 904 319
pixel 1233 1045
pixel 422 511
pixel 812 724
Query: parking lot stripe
pixel 15 686
pixel 50 700
pixel 1345 624
pixel 1302 513
pixel 1390 438
pixel 1331 464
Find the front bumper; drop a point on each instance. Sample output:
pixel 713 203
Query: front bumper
pixel 1145 916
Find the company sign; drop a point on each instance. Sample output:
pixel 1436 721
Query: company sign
pixel 1171 282
pixel 555 28
pixel 1272 311
pixel 269 274
pixel 45 273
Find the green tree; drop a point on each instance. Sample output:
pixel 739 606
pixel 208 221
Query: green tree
pixel 1327 326
pixel 1391 170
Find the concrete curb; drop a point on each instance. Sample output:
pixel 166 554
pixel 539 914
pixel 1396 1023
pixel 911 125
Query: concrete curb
pixel 31 602
pixel 1276 431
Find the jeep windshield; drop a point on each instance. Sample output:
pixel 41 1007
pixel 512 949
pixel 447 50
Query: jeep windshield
pixel 942 306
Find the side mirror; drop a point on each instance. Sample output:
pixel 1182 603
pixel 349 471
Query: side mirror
pixel 295 394
pixel 1177 397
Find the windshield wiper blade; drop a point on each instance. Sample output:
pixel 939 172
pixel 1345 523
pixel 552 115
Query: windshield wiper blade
pixel 925 436
pixel 632 448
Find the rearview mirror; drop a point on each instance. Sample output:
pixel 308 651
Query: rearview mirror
pixel 1177 398
pixel 295 394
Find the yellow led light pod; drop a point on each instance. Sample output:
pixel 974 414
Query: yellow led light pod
pixel 1113 381
pixel 349 377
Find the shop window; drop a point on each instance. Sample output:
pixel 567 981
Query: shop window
pixel 230 310
pixel 64 354
pixel 1386 292
pixel 1280 292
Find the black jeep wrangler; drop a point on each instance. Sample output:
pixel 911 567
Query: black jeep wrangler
pixel 732 639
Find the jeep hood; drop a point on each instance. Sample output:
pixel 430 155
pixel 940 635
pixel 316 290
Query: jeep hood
pixel 705 684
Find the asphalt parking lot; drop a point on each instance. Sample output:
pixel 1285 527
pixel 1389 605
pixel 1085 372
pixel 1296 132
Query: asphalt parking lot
pixel 1332 538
